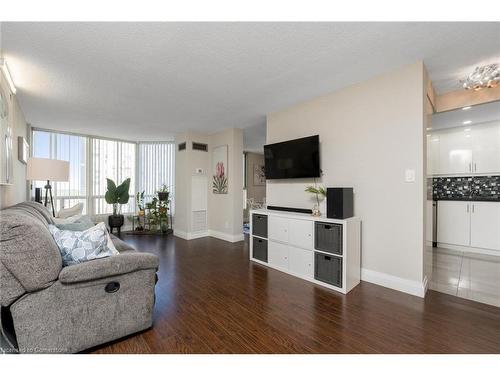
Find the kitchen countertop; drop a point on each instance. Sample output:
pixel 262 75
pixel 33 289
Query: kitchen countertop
pixel 468 199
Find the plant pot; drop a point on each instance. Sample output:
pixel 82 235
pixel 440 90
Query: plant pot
pixel 163 196
pixel 116 221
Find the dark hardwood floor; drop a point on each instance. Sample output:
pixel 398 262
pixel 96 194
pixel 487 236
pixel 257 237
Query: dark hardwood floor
pixel 211 299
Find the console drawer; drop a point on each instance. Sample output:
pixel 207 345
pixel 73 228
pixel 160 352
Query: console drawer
pixel 259 249
pixel 328 237
pixel 259 225
pixel 328 269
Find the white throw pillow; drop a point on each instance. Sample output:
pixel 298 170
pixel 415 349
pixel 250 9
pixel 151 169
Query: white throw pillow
pixel 64 213
pixel 82 246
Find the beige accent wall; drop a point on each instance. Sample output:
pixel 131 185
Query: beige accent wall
pixel 257 192
pixel 16 192
pixel 370 133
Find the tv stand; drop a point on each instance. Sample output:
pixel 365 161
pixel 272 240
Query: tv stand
pixel 317 249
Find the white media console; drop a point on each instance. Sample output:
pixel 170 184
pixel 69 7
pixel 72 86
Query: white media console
pixel 317 249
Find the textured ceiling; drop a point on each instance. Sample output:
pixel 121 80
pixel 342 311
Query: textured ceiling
pixel 151 80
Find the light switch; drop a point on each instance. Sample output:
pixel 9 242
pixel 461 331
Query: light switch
pixel 199 170
pixel 410 175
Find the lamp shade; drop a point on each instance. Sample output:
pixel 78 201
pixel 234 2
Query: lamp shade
pixel 40 169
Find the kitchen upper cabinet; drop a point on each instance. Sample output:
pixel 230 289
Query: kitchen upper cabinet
pixel 453 222
pixel 486 148
pixel 485 225
pixel 455 152
pixel 464 151
pixel 432 154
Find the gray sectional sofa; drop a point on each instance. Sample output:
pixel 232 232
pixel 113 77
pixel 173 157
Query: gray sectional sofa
pixel 47 308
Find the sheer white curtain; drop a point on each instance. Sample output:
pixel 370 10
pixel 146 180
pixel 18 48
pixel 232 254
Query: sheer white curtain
pixel 114 160
pixel 156 166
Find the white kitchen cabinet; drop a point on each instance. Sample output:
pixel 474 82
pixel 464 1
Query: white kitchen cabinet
pixel 278 255
pixel 485 225
pixel 301 262
pixel 486 148
pixel 301 233
pixel 433 167
pixel 278 228
pixel 455 152
pixel 453 222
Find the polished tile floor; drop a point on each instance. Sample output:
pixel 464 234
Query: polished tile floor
pixel 467 275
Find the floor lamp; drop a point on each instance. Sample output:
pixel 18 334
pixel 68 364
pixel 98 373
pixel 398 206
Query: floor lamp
pixel 40 169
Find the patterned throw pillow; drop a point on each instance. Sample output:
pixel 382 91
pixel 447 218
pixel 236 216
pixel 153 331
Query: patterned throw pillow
pixel 82 246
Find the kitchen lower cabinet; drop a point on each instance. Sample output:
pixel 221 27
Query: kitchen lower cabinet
pixel 485 225
pixel 453 222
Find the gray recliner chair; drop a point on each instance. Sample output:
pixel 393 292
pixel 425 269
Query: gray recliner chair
pixel 46 308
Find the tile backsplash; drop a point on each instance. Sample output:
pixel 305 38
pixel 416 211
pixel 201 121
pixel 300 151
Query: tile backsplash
pixel 467 188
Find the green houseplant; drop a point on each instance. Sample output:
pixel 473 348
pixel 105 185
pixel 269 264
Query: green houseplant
pixel 117 195
pixel 320 193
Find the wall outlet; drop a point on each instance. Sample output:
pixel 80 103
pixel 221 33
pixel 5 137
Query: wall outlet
pixel 410 175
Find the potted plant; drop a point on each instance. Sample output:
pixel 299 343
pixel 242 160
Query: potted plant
pixel 320 193
pixel 163 193
pixel 117 195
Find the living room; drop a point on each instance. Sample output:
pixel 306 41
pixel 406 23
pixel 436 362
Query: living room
pixel 250 187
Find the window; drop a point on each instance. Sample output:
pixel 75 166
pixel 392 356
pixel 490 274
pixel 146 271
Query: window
pixel 156 167
pixel 92 160
pixel 67 147
pixel 114 160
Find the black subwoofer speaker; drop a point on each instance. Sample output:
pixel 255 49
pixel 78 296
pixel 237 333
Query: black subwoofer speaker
pixel 339 203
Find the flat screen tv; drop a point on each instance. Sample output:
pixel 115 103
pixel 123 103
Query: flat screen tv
pixel 298 158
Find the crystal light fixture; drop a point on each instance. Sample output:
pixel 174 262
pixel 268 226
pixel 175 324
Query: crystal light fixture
pixel 483 77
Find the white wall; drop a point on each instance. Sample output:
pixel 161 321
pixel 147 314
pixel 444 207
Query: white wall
pixel 224 211
pixel 369 134
pixel 15 193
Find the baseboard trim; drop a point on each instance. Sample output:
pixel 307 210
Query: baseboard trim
pixel 414 288
pixel 191 235
pixel 208 233
pixel 226 236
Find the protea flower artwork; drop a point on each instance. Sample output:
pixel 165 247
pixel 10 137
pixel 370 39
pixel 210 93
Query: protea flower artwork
pixel 219 183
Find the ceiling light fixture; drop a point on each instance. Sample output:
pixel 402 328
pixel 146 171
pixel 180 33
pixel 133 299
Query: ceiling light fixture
pixel 466 108
pixel 467 122
pixel 482 77
pixel 6 73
